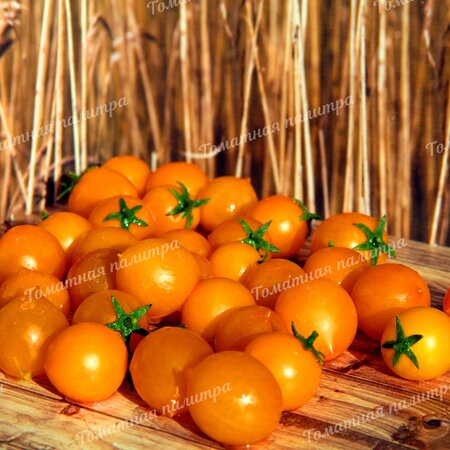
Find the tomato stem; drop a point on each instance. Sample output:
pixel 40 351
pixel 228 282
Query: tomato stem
pixel 126 216
pixel 308 343
pixel 256 239
pixel 185 204
pixel 306 216
pixel 402 345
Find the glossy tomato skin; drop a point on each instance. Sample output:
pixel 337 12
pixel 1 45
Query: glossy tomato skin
pixel 431 351
pixel 191 240
pixel 446 303
pixel 287 230
pixel 384 291
pixel 102 238
pixel 208 300
pixel 229 197
pixel 86 362
pixel 159 365
pixel 95 185
pixel 131 167
pixel 189 174
pixel 340 264
pixel 233 398
pixel 341 231
pixel 27 326
pixel 66 227
pixel 160 201
pixel 159 271
pixel 34 284
pixel 296 370
pixel 238 326
pixel 31 247
pixel 266 281
pixel 112 206
pixel 92 273
pixel 320 305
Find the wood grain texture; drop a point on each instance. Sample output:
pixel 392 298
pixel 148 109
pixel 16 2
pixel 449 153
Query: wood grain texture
pixel 359 405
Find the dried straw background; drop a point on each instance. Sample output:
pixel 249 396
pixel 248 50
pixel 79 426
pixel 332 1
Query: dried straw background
pixel 205 71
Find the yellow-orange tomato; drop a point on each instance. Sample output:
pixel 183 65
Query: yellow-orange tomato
pixel 31 247
pixel 232 260
pixel 169 174
pixel 229 197
pixel 66 227
pixel 141 223
pixel 92 273
pixel 101 238
pixel 191 240
pixel 340 264
pixel 267 280
pixel 238 326
pixel 95 185
pixel 322 306
pixel 34 284
pixel 208 300
pixel 384 291
pixel 131 167
pixel 159 272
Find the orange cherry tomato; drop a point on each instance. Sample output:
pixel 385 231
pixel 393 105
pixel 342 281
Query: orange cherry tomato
pixel 209 299
pixel 232 260
pixel 322 306
pixel 87 362
pixel 238 326
pixel 234 398
pixel 133 168
pixel 34 284
pixel 101 238
pixel 98 184
pixel 31 247
pixel 384 291
pixel 159 272
pixel 422 352
pixel 340 230
pixel 91 273
pixel 229 197
pixel 159 364
pixel 340 264
pixel 290 226
pixel 26 328
pixel 296 369
pixel 267 280
pixel 190 240
pixel 187 173
pixel 66 227
pixel 446 303
pixel 124 212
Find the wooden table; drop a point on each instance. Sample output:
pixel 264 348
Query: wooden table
pixel 359 405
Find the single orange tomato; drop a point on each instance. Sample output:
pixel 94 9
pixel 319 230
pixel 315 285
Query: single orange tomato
pixel 92 273
pixel 340 264
pixel 124 212
pixel 66 227
pixel 384 291
pixel 238 326
pixel 191 240
pixel 131 167
pixel 446 303
pixel 95 185
pixel 101 238
pixel 289 226
pixel 159 272
pixel 354 230
pixel 31 247
pixel 34 284
pixel 295 368
pixel 229 197
pixel 209 299
pixel 189 174
pixel 322 306
pixel 232 260
pixel 267 280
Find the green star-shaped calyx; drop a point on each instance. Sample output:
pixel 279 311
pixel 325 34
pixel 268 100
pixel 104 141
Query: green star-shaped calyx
pixel 126 216
pixel 256 239
pixel 308 343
